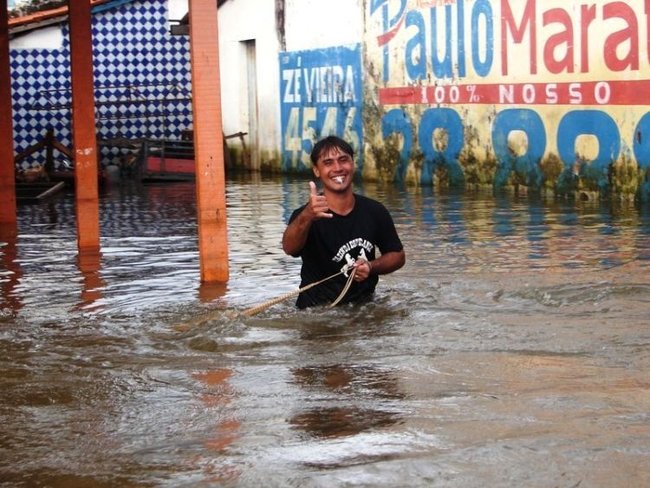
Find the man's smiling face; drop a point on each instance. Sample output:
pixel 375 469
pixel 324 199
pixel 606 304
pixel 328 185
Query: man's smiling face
pixel 335 169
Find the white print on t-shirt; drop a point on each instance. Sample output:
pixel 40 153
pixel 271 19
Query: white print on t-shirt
pixel 349 260
pixel 362 255
pixel 349 264
pixel 350 245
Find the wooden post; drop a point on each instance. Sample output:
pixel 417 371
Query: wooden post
pixel 208 141
pixel 7 167
pixel 83 125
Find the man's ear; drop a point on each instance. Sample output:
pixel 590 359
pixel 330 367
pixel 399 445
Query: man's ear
pixel 316 172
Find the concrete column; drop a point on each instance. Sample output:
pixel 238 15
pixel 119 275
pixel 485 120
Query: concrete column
pixel 7 169
pixel 208 141
pixel 83 125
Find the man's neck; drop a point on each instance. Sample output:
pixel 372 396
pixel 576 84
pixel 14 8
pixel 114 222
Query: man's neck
pixel 340 203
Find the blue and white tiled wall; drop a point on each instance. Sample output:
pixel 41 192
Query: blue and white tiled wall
pixel 142 81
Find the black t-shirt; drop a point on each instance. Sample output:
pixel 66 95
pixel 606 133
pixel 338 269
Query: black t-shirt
pixel 333 243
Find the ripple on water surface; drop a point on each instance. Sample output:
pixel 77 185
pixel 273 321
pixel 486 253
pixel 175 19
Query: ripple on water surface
pixel 515 336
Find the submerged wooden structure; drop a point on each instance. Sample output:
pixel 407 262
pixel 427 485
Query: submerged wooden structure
pixel 38 191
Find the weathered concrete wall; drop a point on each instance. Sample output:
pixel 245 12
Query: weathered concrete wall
pixel 248 47
pixel 538 95
pixel 279 30
pixel 545 94
pixel 320 77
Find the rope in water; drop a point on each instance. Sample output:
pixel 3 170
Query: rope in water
pixel 345 288
pixel 263 306
pixel 249 312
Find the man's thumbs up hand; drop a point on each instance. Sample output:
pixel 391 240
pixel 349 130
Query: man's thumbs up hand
pixel 317 205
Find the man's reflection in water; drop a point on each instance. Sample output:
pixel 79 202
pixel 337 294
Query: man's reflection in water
pixel 356 383
pixel 217 396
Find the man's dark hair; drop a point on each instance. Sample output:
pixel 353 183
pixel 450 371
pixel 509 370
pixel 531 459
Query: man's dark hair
pixel 328 143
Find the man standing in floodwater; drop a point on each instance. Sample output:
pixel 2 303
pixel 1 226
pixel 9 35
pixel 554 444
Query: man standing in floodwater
pixel 340 230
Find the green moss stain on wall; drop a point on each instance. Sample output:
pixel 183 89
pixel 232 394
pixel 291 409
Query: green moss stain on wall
pixel 552 168
pixel 626 177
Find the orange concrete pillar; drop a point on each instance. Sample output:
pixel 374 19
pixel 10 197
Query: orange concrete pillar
pixel 83 125
pixel 7 169
pixel 208 141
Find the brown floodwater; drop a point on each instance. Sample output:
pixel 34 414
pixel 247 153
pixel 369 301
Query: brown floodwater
pixel 513 349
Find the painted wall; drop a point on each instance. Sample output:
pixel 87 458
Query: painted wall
pixel 285 33
pixel 547 95
pixel 321 78
pixel 321 95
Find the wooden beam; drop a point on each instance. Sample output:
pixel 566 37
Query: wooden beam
pixel 208 141
pixel 7 167
pixel 83 125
